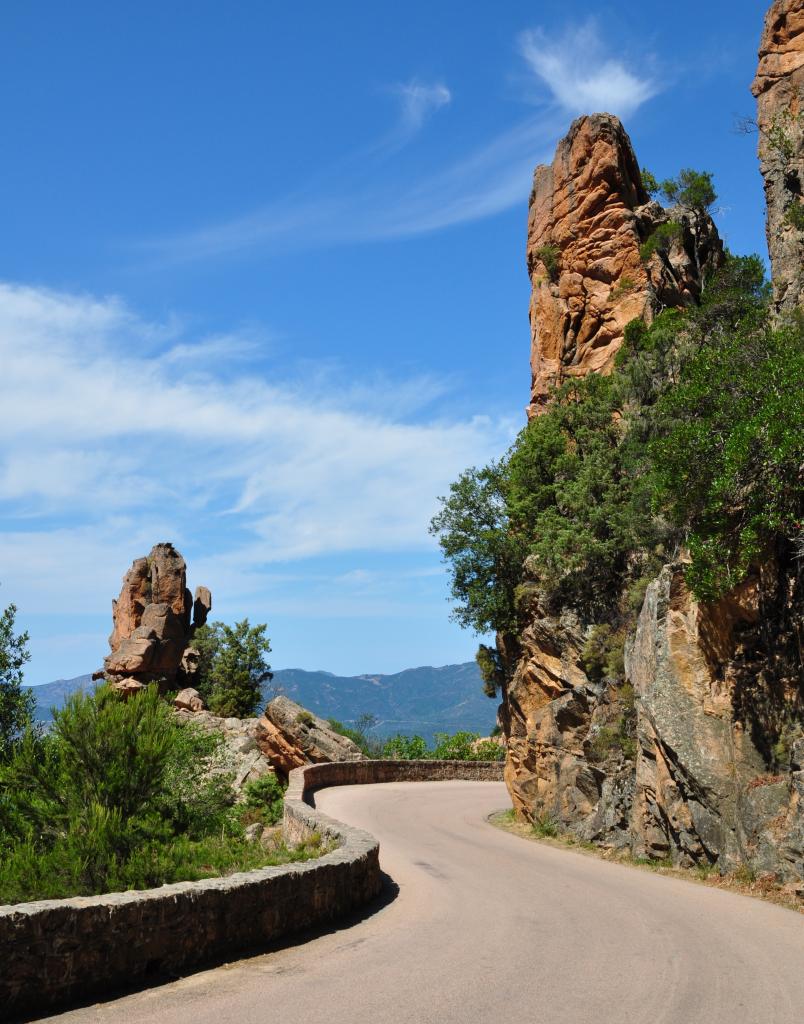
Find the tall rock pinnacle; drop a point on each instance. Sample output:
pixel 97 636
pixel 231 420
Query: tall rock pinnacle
pixel 154 619
pixel 779 89
pixel 589 214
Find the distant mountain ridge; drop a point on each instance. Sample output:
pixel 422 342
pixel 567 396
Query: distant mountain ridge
pixel 421 700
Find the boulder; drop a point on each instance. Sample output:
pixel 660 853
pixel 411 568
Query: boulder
pixel 290 736
pixel 127 687
pixel 779 89
pixel 189 699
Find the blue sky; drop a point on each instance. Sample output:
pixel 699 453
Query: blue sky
pixel 262 287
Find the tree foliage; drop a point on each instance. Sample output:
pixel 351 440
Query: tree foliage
pixel 484 552
pixel 695 440
pixel 112 780
pixel 691 190
pixel 729 464
pixel 17 704
pixel 232 666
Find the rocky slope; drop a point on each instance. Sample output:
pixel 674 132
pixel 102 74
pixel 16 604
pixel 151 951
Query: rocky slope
pixel 779 88
pixel 589 214
pixel 699 756
pixel 284 737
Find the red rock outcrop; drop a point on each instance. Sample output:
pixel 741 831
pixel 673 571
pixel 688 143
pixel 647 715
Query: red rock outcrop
pixel 589 214
pixel 779 89
pixel 696 751
pixel 290 736
pixel 152 626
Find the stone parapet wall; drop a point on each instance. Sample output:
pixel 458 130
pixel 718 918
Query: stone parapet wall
pixel 56 951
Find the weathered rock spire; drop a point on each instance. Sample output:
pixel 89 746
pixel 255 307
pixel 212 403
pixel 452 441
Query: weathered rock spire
pixel 154 618
pixel 589 214
pixel 779 89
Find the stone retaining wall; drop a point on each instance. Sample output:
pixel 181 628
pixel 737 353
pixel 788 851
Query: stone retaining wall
pixel 55 951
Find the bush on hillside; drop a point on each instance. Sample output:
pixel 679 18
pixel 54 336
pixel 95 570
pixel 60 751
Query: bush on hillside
pixel 17 704
pixel 232 667
pixel 121 794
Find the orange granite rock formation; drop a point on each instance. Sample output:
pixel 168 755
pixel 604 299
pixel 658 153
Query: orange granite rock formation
pixel 152 624
pixel 589 214
pixel 779 89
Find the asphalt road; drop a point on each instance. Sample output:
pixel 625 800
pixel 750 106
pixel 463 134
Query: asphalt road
pixel 487 927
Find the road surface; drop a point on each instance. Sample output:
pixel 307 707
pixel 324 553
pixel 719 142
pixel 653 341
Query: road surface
pixel 487 927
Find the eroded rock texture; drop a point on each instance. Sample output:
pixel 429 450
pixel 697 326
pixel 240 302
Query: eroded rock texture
pixel 699 756
pixel 705 792
pixel 154 618
pixel 240 755
pixel 779 88
pixel 568 734
pixel 290 736
pixel 589 214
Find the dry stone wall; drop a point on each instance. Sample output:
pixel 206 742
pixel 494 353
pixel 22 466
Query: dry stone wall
pixel 56 951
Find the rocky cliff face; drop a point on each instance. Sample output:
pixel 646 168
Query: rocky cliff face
pixel 697 757
pixel 153 620
pixel 779 88
pixel 589 215
pixel 706 786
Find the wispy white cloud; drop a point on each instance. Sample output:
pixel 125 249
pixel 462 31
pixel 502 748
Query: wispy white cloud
pixel 419 100
pixel 579 74
pixel 365 201
pixel 492 178
pixel 121 449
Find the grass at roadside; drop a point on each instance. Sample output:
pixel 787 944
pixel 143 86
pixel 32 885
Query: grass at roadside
pixel 547 831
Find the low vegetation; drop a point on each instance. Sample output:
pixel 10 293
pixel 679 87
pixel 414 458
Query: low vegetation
pixel 122 795
pixel 550 258
pixel 458 746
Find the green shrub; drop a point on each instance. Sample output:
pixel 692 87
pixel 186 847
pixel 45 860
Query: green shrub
pixel 650 183
pixel 488 750
pixel 265 796
pixel 550 258
pixel 794 215
pixel 602 655
pixel 730 445
pixel 305 718
pixel 362 734
pixel 405 748
pixel 779 136
pixel 112 779
pixel 484 551
pixel 17 705
pixel 695 438
pixel 232 667
pixel 692 190
pixel 545 826
pixel 491 669
pixel 623 287
pixel 28 873
pixel 660 240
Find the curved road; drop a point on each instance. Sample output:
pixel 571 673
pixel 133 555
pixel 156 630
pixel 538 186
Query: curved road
pixel 487 928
